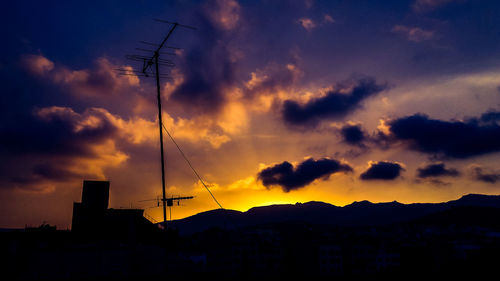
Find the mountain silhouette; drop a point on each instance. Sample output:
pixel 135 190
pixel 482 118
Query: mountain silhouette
pixel 363 213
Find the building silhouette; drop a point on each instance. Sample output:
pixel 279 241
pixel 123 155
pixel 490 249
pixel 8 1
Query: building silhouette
pixel 92 217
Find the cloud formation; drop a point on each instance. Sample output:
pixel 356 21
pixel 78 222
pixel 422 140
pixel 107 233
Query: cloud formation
pixel 271 80
pixel 57 144
pixel 414 34
pixel 489 117
pixel 352 134
pixel 125 93
pixel 429 5
pixel 225 13
pixel 328 19
pixel 208 70
pixel 480 174
pixel 454 139
pixel 436 170
pixel 341 100
pixel 307 23
pixel 382 170
pixel 292 178
pixel 101 80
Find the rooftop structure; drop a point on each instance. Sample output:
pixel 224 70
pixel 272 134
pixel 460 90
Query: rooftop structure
pixel 93 218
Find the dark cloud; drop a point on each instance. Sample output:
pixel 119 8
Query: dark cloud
pixel 98 82
pixel 454 139
pixel 290 178
pixel 382 171
pixel 437 182
pixel 40 145
pixel 436 170
pixel 54 144
pixel 52 131
pixel 352 134
pixel 32 172
pixel 51 171
pixel 337 103
pixel 485 176
pixel 490 116
pixel 209 68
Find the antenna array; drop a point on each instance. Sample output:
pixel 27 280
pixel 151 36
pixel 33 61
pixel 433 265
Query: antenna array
pixel 151 63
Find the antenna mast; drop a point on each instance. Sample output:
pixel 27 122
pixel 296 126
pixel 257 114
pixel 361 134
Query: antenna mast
pixel 148 63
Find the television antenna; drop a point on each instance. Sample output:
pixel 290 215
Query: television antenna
pixel 173 200
pixel 151 67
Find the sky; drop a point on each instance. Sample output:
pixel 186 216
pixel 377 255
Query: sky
pixel 273 102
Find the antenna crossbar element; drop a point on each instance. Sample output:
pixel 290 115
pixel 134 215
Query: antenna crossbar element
pixel 170 201
pixel 148 43
pixel 179 198
pixel 152 51
pixel 156 45
pixel 142 58
pixel 181 25
pixel 131 72
pixel 149 75
pixel 155 57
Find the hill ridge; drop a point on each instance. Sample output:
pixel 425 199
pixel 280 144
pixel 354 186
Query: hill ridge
pixel 358 213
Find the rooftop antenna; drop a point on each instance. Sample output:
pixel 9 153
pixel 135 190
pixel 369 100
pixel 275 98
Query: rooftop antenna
pixel 151 65
pixel 170 202
pixel 177 199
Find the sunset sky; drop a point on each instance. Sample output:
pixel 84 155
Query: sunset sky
pixel 273 102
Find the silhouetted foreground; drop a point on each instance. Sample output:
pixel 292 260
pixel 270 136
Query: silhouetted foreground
pixel 458 239
pixel 362 213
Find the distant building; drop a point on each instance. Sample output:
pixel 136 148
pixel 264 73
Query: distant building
pixel 91 212
pixel 93 218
